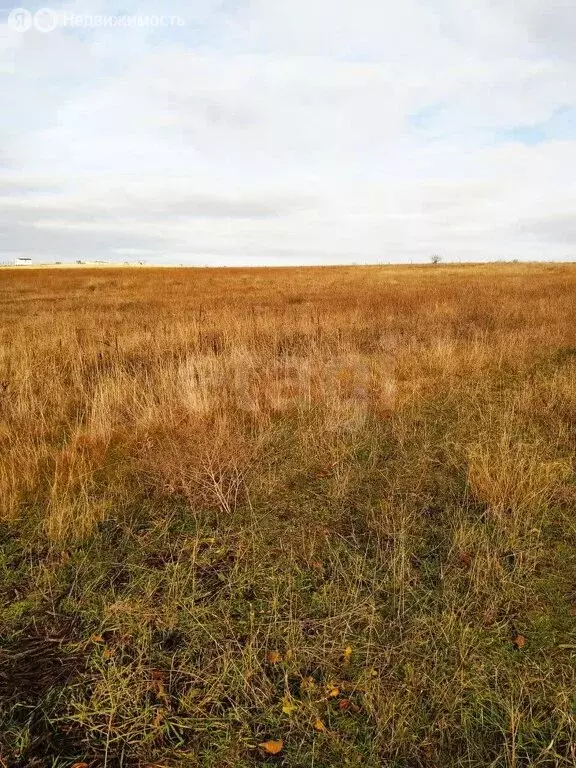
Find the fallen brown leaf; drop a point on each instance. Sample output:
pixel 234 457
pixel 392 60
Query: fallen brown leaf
pixel 288 705
pixel 318 725
pixel 273 657
pixel 519 641
pixel 272 747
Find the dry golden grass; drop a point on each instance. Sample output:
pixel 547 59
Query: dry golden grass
pixel 201 467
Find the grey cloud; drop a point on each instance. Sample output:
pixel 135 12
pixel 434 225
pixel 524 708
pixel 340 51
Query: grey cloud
pixel 21 236
pixel 25 188
pixel 152 208
pixel 551 24
pixel 203 206
pixel 556 229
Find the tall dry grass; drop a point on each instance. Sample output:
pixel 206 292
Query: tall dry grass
pixel 188 374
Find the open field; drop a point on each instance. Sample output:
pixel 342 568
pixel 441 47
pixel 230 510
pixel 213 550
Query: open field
pixel 332 508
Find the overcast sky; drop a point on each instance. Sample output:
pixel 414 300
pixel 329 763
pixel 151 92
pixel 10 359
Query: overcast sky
pixel 291 131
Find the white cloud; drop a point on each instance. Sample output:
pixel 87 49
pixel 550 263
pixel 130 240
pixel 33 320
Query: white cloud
pixel 293 132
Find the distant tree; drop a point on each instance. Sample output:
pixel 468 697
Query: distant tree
pixel 435 258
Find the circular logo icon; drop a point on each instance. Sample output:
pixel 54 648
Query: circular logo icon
pixel 20 20
pixel 45 20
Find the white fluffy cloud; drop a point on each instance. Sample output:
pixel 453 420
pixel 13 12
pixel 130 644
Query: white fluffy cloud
pixel 311 131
